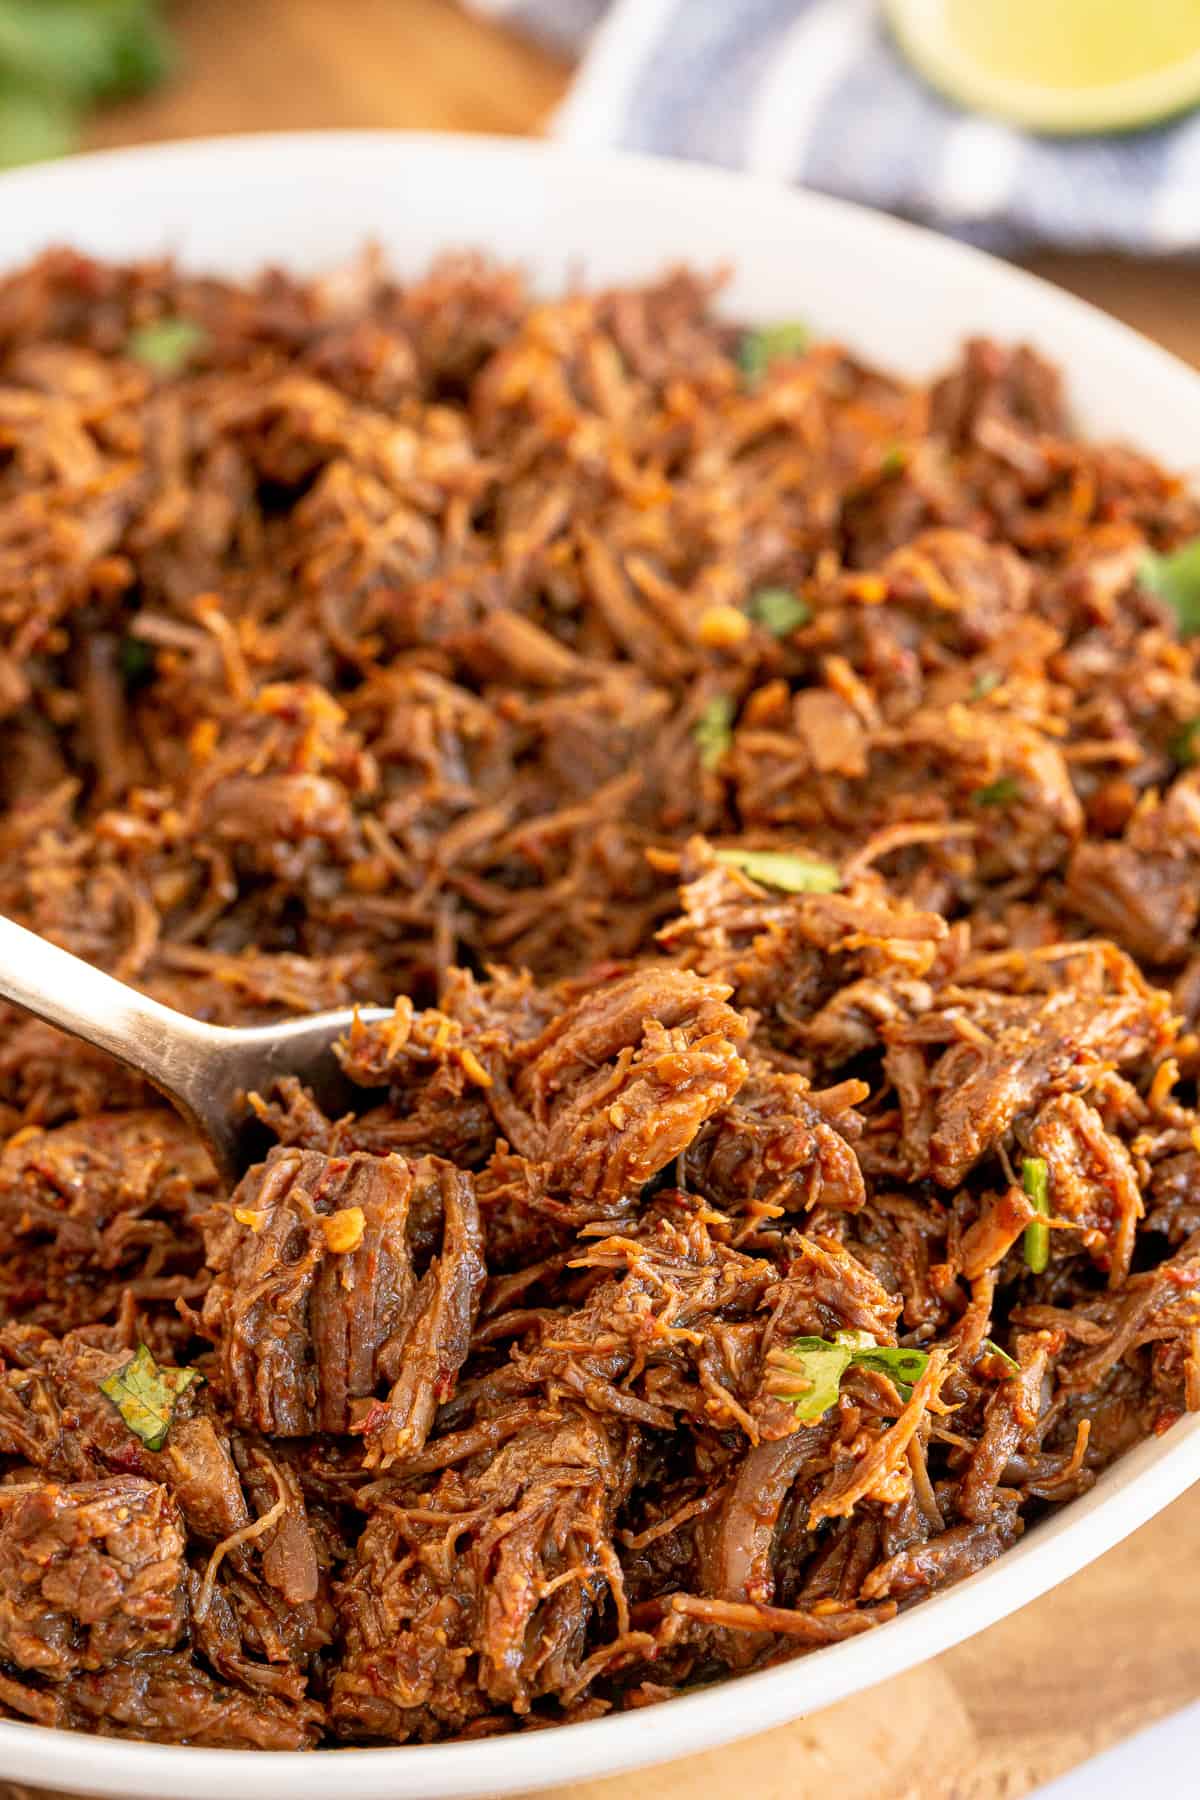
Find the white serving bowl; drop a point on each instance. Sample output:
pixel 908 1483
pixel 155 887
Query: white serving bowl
pixel 901 296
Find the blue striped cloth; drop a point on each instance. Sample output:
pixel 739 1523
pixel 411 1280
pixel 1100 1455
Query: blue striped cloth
pixel 814 91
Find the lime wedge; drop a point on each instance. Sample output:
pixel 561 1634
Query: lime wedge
pixel 1057 65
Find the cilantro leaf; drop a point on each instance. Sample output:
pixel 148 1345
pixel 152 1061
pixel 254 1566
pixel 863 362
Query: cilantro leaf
pixel 771 343
pixel 135 658
pixel 57 57
pixel 808 1372
pixel 985 683
pixel 166 345
pixel 146 1395
pixel 998 793
pixel 991 1348
pixel 789 870
pixel 1175 578
pixel 1185 745
pixel 713 730
pixel 779 610
pixel 904 1368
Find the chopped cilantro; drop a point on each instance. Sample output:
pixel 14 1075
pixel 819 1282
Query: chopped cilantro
pixel 779 610
pixel 1185 745
pixel 146 1395
pixel 998 793
pixel 789 870
pixel 166 345
pixel 990 1348
pixel 1035 1179
pixel 808 1373
pixel 985 683
pixel 1175 578
pixel 768 344
pixel 713 730
pixel 136 659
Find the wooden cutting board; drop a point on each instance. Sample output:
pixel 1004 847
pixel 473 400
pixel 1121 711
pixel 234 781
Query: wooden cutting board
pixel 1119 1645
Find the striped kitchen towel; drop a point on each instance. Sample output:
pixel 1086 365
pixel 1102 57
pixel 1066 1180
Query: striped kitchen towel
pixel 814 91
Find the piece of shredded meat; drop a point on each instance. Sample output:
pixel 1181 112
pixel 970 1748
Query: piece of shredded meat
pixel 764 805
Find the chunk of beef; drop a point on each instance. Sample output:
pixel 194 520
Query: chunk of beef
pixel 54 1416
pixel 943 591
pixel 674 1326
pixel 114 1192
pixel 90 1573
pixel 778 1144
pixel 1149 1306
pixel 479 1593
pixel 1141 889
pixel 825 970
pixel 619 1084
pixel 1148 904
pixel 1008 779
pixel 951 1557
pixel 1092 1181
pixel 1175 1196
pixel 971 1082
pixel 41 1085
pixel 881 1468
pixel 277 789
pixel 993 1234
pixel 682 1323
pixel 737 1539
pixel 167 1699
pixel 994 383
pixel 261 1610
pixel 316 1303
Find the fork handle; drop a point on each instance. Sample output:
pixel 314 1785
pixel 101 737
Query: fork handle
pixel 169 1049
pixel 205 1070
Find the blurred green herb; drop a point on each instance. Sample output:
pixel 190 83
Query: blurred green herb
pixel 1035 1179
pixel 771 343
pixel 894 461
pixel 997 793
pixel 785 869
pixel 1184 746
pixel 1175 578
pixel 985 683
pixel 713 730
pixel 166 345
pixel 34 125
pixel 60 57
pixel 779 610
pixel 136 659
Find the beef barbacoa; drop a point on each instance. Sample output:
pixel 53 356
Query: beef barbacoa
pixel 766 791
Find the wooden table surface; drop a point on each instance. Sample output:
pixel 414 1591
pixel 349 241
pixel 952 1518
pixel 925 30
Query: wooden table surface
pixel 1116 1646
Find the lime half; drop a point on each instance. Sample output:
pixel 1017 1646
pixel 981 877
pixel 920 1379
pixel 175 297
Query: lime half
pixel 1057 65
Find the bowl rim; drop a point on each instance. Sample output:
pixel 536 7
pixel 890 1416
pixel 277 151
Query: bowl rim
pixel 1137 1487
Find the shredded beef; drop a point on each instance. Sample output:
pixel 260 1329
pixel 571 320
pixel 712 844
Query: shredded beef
pixel 315 1301
pixel 765 808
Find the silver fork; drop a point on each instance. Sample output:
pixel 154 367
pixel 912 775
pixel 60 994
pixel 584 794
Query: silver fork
pixel 205 1070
